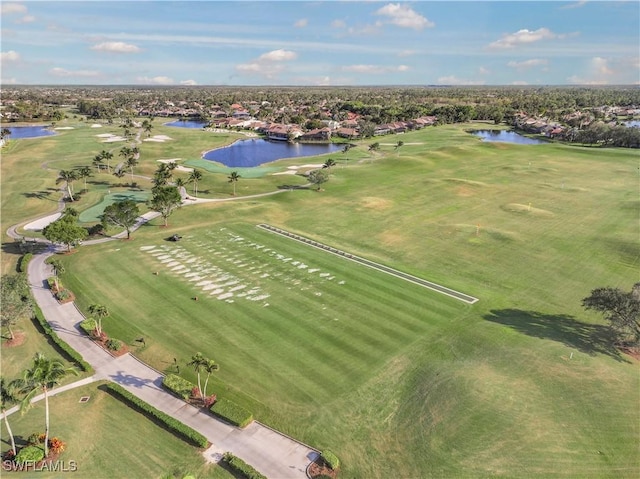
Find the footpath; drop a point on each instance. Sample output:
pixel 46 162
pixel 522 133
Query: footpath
pixel 273 454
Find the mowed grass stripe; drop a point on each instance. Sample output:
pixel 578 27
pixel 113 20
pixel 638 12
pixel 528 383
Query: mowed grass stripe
pixel 371 264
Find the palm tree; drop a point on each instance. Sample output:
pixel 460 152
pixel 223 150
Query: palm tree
pixel 374 146
pixel 147 126
pixel 4 133
pixel 398 146
pixel 99 311
pixel 7 397
pixel 97 161
pixel 347 147
pixel 131 162
pixel 233 179
pixel 58 269
pixel 209 365
pixel 84 172
pixel 328 164
pixel 194 177
pixel 42 376
pixel 197 361
pixel 68 176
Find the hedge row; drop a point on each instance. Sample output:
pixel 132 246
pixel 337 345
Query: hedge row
pixel 330 459
pixel 231 412
pixel 178 385
pixel 170 423
pixel 23 263
pixel 242 468
pixel 63 346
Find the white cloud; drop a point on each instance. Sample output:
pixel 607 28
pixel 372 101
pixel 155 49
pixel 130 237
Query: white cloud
pixel 26 19
pixel 404 16
pixel 407 53
pixel 483 71
pixel 519 82
pixel 375 69
pixel 338 24
pixel 116 47
pixel 301 23
pixel 600 66
pixel 576 80
pixel 8 81
pixel 159 80
pixel 278 56
pixel 314 80
pixel 454 80
pixel 188 82
pixel 365 29
pixel 268 65
pixel 521 37
pixel 63 72
pixel 523 65
pixel 579 4
pixel 10 56
pixel 8 8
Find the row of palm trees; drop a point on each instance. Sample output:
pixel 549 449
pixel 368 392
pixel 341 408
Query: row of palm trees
pixel 40 377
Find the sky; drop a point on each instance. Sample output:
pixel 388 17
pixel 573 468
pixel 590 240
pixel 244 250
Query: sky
pixel 320 43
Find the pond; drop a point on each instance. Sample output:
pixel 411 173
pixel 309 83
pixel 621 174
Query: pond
pixel 249 153
pixel 632 123
pixel 188 123
pixel 18 132
pixel 505 136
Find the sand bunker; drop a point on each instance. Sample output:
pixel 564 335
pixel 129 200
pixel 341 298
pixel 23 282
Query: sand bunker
pixel 64 128
pixel 96 125
pixel 158 138
pixel 38 225
pixel 110 137
pixel 178 167
pixel 293 170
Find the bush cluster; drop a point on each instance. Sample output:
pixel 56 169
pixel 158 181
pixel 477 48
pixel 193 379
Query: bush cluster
pixel 30 454
pixel 177 385
pixel 330 459
pixel 88 326
pixel 231 412
pixel 114 344
pixel 24 262
pixel 170 423
pixel 62 346
pixel 242 468
pixel 63 295
pixel 52 283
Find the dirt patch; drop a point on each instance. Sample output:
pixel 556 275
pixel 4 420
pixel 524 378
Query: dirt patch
pixel 18 340
pixel 376 203
pixel 389 238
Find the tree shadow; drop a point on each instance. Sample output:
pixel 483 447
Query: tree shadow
pixel 293 187
pixel 588 338
pixel 41 195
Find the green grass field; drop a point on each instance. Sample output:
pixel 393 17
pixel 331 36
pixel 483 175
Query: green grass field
pixel 106 438
pixel 399 380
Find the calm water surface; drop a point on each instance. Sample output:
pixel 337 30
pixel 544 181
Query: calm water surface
pixel 249 153
pixel 187 124
pixel 18 132
pixel 506 137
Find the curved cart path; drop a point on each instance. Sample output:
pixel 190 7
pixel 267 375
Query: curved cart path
pixel 270 452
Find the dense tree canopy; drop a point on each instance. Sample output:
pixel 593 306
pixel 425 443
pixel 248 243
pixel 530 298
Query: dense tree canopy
pixel 620 308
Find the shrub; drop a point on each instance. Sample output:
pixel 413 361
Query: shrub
pixel 63 295
pixel 114 344
pixel 36 438
pixel 61 345
pixel 95 230
pixel 231 412
pixel 177 385
pixel 56 445
pixel 170 423
pixel 241 467
pixel 24 262
pixel 330 459
pixel 52 283
pixel 88 326
pixel 30 454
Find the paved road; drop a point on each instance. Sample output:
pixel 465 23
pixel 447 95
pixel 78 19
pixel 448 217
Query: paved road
pixel 270 452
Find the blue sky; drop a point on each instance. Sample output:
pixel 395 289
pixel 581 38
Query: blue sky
pixel 320 43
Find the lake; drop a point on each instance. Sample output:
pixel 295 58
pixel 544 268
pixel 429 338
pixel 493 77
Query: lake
pixel 249 153
pixel 505 136
pixel 188 123
pixel 632 123
pixel 18 132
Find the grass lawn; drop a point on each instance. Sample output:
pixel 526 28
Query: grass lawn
pixel 106 438
pixel 398 380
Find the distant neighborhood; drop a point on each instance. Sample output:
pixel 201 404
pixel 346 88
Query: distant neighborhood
pixel 324 115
